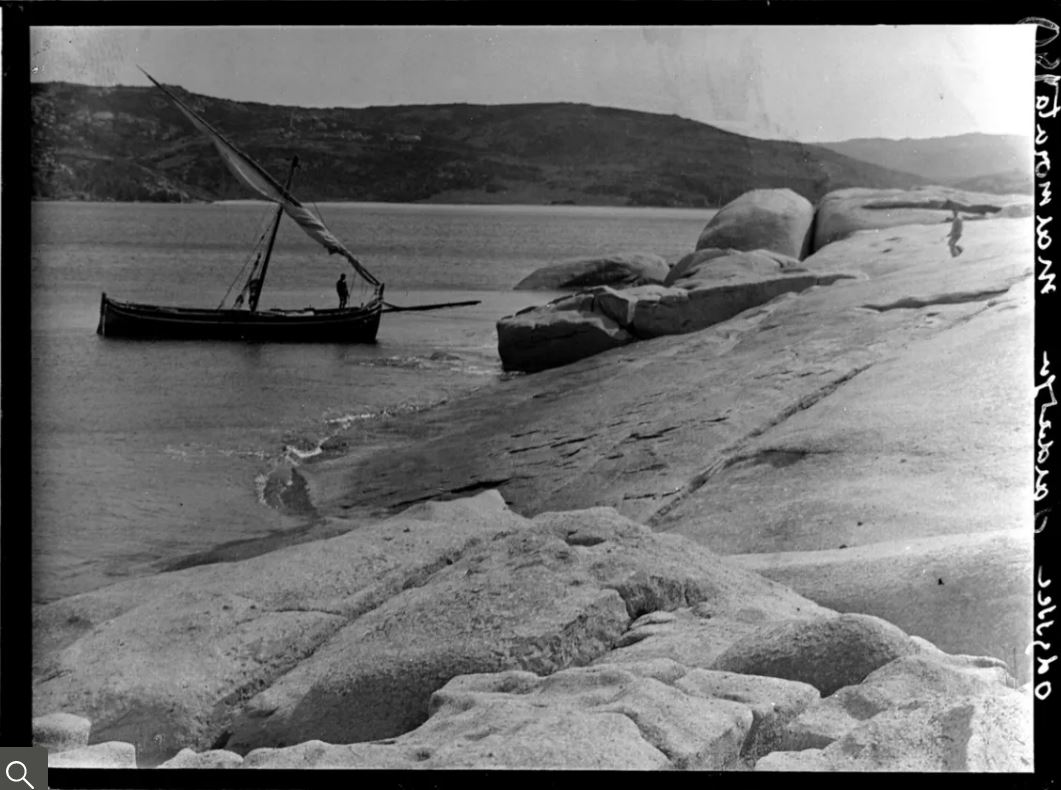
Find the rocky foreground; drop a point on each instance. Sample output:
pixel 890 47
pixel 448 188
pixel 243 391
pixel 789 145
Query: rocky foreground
pixel 797 539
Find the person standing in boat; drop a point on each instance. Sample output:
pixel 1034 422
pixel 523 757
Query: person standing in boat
pixel 342 290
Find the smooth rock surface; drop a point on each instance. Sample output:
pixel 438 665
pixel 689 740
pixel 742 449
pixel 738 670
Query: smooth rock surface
pixel 213 758
pixel 844 211
pixel 774 702
pixel 825 476
pixel 530 601
pixel 980 606
pixel 718 265
pixel 558 333
pixel 588 718
pixel 111 754
pixel 990 733
pixel 770 219
pixel 166 661
pixel 620 269
pixel 60 732
pixel 897 683
pixel 701 633
pixel 600 319
pixel 658 430
pixel 595 432
pixel 694 731
pixel 825 652
pixel 693 305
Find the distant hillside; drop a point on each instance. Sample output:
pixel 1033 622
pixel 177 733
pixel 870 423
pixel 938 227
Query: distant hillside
pixel 131 144
pixel 1002 161
pixel 1011 182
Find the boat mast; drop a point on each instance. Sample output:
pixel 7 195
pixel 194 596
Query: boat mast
pixel 256 285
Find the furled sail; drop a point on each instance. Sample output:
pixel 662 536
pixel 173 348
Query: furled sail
pixel 256 178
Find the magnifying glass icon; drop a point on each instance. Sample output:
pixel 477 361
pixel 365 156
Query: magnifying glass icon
pixel 22 778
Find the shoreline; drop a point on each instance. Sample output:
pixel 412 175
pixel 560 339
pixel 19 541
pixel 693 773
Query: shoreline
pixel 651 511
pixel 699 212
pixel 302 486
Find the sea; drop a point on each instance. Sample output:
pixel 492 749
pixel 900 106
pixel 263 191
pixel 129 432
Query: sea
pixel 144 452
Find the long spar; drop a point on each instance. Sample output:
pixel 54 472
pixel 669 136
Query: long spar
pixel 252 175
pixel 256 287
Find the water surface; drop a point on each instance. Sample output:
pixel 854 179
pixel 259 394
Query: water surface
pixel 144 451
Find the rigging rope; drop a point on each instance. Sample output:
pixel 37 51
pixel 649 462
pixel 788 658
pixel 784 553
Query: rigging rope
pixel 254 250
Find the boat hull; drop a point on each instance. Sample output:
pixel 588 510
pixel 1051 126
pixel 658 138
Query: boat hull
pixel 347 325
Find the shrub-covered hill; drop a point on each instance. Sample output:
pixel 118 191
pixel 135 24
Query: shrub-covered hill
pixel 126 143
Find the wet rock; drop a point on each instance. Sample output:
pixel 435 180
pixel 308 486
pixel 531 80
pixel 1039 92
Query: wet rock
pixel 59 732
pixel 826 652
pixel 622 269
pixel 770 219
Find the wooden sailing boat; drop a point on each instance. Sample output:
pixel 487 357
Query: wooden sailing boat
pixel 336 325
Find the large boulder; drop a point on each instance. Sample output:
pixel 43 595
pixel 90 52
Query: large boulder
pixel 523 603
pixel 59 732
pixel 111 754
pixel 587 323
pixel 694 305
pixel 559 593
pixel 773 702
pixel 560 332
pixel 899 682
pixel 713 265
pixel 826 652
pixel 771 219
pixel 981 733
pixel 165 662
pixel 968 593
pixel 844 211
pixel 621 269
pixel 696 636
pixel 692 730
pixel 213 758
pixel 610 717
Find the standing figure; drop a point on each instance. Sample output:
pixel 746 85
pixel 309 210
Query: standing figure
pixel 955 234
pixel 342 290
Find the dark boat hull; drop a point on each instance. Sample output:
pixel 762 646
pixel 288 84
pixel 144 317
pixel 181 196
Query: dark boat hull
pixel 348 325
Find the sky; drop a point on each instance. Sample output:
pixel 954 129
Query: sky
pixel 804 83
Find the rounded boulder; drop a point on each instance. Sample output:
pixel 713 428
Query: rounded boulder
pixel 763 219
pixel 624 269
pixel 827 652
pixel 718 266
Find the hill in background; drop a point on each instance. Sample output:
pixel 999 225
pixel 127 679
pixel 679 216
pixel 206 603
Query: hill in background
pixel 1000 163
pixel 127 143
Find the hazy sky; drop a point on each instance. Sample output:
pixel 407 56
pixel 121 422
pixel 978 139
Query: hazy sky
pixel 798 83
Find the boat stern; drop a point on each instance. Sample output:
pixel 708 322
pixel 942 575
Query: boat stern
pixel 101 328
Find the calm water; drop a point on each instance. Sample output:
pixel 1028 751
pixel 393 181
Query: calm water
pixel 147 451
